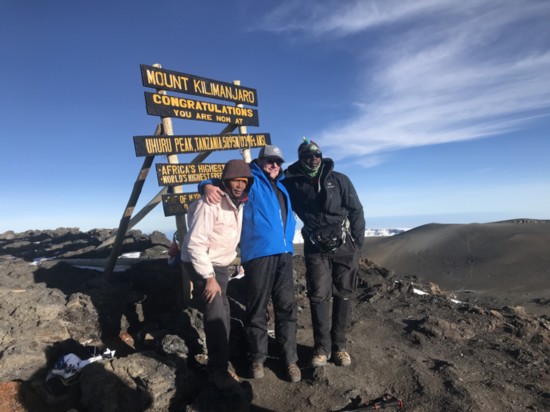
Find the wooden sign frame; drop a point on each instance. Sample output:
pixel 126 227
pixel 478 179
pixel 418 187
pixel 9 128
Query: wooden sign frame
pixel 164 142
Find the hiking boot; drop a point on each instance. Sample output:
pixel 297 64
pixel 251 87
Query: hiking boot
pixel 223 379
pixel 257 370
pixel 342 358
pixel 319 360
pixel 294 373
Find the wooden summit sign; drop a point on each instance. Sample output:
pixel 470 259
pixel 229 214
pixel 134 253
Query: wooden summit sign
pixel 178 203
pixel 173 174
pixel 163 79
pixel 167 145
pixel 173 106
pixel 187 173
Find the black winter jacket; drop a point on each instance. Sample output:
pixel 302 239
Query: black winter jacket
pixel 331 202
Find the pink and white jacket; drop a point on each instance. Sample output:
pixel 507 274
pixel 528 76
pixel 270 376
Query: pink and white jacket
pixel 213 236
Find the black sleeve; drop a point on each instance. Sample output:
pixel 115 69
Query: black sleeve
pixel 351 202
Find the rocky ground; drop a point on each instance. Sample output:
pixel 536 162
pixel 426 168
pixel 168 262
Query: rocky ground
pixel 408 339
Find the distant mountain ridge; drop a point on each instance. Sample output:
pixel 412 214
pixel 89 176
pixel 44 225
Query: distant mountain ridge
pixel 507 259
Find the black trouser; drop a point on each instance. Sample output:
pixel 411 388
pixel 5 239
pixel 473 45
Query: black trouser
pixel 270 276
pixel 331 275
pixel 216 316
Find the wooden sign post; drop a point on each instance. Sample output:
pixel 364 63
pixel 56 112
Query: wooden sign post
pixel 173 175
pixel 125 220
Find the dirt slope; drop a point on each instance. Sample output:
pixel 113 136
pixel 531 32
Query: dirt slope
pixel 508 261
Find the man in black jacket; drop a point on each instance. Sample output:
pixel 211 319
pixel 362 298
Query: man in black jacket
pixel 334 232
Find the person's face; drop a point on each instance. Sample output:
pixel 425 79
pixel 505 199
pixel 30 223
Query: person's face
pixel 271 165
pixel 312 160
pixel 236 187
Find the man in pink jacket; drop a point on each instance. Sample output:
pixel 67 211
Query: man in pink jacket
pixel 208 249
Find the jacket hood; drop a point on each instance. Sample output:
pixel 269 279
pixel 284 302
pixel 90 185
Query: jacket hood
pixel 238 168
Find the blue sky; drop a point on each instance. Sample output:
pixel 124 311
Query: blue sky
pixel 438 110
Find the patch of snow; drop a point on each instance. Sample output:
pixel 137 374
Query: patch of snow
pixel 368 233
pixel 38 261
pixel 131 255
pixel 384 232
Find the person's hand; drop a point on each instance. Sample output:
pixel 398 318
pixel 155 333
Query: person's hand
pixel 213 194
pixel 211 289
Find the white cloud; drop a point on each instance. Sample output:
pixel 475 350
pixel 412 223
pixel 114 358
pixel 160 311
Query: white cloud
pixel 432 71
pixel 341 17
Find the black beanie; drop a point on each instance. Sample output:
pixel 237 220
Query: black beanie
pixel 308 146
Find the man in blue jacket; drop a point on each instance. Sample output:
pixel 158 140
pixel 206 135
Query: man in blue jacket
pixel 266 255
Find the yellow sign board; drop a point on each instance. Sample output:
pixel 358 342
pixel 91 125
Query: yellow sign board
pixel 174 106
pixel 166 145
pixel 173 174
pixel 162 79
pixel 178 204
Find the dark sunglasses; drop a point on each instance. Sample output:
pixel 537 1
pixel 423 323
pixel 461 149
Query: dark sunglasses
pixel 273 161
pixel 308 156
